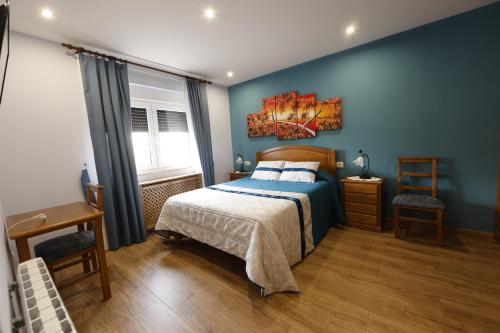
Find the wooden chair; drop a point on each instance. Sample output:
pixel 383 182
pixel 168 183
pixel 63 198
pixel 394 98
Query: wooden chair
pixel 420 202
pixel 74 248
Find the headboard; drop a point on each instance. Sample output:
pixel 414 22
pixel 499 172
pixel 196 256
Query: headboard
pixel 299 153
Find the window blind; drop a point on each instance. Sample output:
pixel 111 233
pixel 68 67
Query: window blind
pixel 172 121
pixel 139 120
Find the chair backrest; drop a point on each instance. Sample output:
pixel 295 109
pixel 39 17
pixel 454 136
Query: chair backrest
pixel 417 160
pixel 94 195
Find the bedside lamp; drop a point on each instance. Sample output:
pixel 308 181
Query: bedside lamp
pixel 360 161
pixel 240 162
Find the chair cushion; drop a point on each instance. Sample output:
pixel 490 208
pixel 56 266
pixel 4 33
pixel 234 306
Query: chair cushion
pixel 64 245
pixel 418 200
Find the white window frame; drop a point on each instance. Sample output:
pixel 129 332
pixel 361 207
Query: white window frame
pixel 149 80
pixel 154 134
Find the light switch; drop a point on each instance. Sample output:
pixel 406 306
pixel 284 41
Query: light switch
pixel 340 165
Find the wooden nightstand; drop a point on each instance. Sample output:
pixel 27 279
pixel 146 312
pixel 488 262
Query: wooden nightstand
pixel 238 175
pixel 362 202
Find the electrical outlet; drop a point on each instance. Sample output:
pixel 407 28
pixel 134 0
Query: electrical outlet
pixel 340 165
pixel 247 163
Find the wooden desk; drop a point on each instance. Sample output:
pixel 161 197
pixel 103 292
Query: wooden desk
pixel 60 217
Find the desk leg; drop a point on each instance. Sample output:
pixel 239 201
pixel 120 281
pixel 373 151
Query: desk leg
pixel 101 255
pixel 23 250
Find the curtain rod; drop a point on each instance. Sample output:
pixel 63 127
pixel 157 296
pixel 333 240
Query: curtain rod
pixel 80 49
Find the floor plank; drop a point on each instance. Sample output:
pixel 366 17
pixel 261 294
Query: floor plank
pixel 355 281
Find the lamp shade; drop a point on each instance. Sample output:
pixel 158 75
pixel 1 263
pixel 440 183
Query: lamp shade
pixel 360 161
pixel 239 160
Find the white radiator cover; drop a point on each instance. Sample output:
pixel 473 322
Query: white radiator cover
pixel 42 305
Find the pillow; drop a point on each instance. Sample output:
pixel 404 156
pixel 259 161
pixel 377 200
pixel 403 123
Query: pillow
pixel 268 170
pixel 302 172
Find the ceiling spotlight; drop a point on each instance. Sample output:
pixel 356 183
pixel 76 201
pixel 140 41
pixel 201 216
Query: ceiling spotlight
pixel 230 74
pixel 47 13
pixel 350 30
pixel 209 13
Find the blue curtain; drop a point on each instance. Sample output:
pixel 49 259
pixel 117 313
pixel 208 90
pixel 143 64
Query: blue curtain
pixel 107 97
pixel 197 93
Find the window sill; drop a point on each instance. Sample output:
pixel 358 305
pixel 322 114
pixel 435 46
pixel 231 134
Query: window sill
pixel 160 170
pixel 156 174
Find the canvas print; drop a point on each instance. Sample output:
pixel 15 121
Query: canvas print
pixel 329 114
pixel 263 123
pixel 290 116
pixel 306 120
pixel 286 116
pixel 269 108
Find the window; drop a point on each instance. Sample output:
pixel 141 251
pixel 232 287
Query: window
pixel 140 139
pixel 173 138
pixel 161 134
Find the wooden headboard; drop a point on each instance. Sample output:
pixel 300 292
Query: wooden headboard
pixel 299 153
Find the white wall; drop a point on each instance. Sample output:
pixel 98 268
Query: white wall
pixel 44 134
pixel 5 278
pixel 220 127
pixel 44 131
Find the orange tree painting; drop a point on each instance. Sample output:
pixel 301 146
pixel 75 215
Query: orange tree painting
pixel 286 116
pixel 263 123
pixel 290 116
pixel 329 114
pixel 306 120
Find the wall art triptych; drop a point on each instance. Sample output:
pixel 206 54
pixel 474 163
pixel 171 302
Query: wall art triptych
pixel 290 116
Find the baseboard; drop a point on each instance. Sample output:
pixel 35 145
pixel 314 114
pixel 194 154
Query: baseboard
pixel 389 225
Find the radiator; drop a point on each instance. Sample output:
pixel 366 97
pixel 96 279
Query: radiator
pixel 155 193
pixel 43 308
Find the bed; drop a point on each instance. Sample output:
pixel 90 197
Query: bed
pixel 272 225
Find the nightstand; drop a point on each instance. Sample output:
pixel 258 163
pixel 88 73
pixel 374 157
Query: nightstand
pixel 362 202
pixel 238 175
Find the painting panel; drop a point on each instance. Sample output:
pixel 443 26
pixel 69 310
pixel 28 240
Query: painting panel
pixel 269 108
pixel 306 120
pixel 329 114
pixel 286 116
pixel 260 124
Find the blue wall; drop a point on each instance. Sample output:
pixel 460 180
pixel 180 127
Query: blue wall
pixel 433 90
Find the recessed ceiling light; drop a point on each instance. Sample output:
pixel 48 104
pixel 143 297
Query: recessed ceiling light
pixel 47 13
pixel 350 30
pixel 230 74
pixel 209 13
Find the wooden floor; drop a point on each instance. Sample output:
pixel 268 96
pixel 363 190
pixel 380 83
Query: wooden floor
pixel 355 281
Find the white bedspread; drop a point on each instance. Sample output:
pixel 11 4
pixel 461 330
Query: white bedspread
pixel 263 231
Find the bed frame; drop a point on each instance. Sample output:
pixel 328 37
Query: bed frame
pixel 300 153
pixel 294 153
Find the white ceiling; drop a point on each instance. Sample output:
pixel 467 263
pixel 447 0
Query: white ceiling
pixel 249 37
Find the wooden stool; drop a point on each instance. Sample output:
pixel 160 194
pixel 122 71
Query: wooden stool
pixel 420 202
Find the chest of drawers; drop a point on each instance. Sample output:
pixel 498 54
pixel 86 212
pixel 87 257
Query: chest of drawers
pixel 362 202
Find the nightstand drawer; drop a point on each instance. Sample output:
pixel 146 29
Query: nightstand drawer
pixel 360 208
pixel 361 198
pixel 361 188
pixel 361 218
pixel 238 175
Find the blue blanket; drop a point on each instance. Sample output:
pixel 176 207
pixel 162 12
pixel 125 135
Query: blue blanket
pixel 326 209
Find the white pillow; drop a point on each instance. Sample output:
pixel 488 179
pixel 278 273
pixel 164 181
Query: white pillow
pixel 302 172
pixel 268 170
